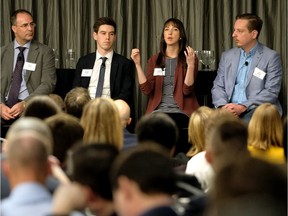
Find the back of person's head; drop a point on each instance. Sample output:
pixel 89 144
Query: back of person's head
pixel 104 21
pixel 158 127
pixel 254 22
pixel 124 111
pixel 66 131
pixel 91 166
pixel 75 100
pixel 29 143
pixel 41 106
pixel 250 186
pixel 226 141
pixel 265 127
pixel 101 123
pixel 58 100
pixel 148 167
pixel 196 129
pixel 27 124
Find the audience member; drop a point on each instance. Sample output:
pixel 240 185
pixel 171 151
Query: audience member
pixel 27 168
pixel 101 123
pixel 160 128
pixel 91 188
pixel 59 101
pixel 249 187
pixel 196 130
pixel 248 75
pixel 129 139
pixel 143 182
pixel 75 100
pixel 66 131
pixel 104 72
pixel 198 165
pixel 226 139
pixel 285 140
pixel 265 131
pixel 41 106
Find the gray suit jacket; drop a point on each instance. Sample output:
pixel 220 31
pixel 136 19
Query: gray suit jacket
pixel 40 81
pixel 258 90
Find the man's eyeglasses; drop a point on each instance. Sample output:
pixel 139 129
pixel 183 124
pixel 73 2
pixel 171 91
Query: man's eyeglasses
pixel 25 25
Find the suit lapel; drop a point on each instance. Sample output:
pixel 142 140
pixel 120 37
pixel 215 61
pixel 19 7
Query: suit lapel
pixel 113 72
pixel 256 59
pixel 32 57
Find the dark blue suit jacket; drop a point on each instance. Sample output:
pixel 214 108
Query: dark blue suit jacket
pixel 121 76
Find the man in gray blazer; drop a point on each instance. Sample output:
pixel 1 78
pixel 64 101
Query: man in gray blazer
pixel 248 75
pixel 38 73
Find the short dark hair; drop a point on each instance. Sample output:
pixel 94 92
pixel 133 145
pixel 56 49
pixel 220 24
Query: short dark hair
pixel 66 131
pixel 148 167
pixel 104 21
pixel 158 127
pixel 13 16
pixel 41 106
pixel 75 100
pixel 91 167
pixel 254 22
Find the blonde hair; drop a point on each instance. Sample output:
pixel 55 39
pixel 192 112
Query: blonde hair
pixel 196 130
pixel 101 123
pixel 265 128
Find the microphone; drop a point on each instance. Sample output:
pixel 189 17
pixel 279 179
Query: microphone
pixel 246 63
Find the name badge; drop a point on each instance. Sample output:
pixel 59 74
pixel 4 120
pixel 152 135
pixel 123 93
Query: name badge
pixel 259 73
pixel 29 66
pixel 86 72
pixel 159 72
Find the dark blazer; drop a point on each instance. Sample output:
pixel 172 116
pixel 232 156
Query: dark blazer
pixel 40 81
pixel 121 76
pixel 161 210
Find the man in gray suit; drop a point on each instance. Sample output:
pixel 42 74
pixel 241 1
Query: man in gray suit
pixel 248 75
pixel 38 72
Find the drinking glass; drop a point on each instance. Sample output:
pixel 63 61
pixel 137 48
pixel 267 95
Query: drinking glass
pixel 207 58
pixel 70 59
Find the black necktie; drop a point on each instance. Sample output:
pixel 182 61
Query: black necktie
pixel 101 78
pixel 16 79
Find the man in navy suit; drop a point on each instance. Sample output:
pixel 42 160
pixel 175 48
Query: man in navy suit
pixel 119 76
pixel 248 75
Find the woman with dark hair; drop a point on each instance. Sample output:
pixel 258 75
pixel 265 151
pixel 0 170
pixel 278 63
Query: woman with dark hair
pixel 171 73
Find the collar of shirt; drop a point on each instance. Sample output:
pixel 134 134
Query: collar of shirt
pixel 247 57
pixel 16 45
pixel 108 56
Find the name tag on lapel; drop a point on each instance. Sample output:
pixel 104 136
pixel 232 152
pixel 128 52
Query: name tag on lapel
pixel 29 66
pixel 86 72
pixel 259 73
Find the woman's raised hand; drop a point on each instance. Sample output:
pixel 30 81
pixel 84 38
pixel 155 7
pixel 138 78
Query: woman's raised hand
pixel 135 55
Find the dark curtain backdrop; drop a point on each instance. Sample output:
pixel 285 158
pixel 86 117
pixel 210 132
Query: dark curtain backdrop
pixel 63 24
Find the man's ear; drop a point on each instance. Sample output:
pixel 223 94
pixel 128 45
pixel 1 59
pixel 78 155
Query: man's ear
pixel 129 121
pixel 126 186
pixel 5 168
pixel 13 27
pixel 255 34
pixel 95 36
pixel 208 156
